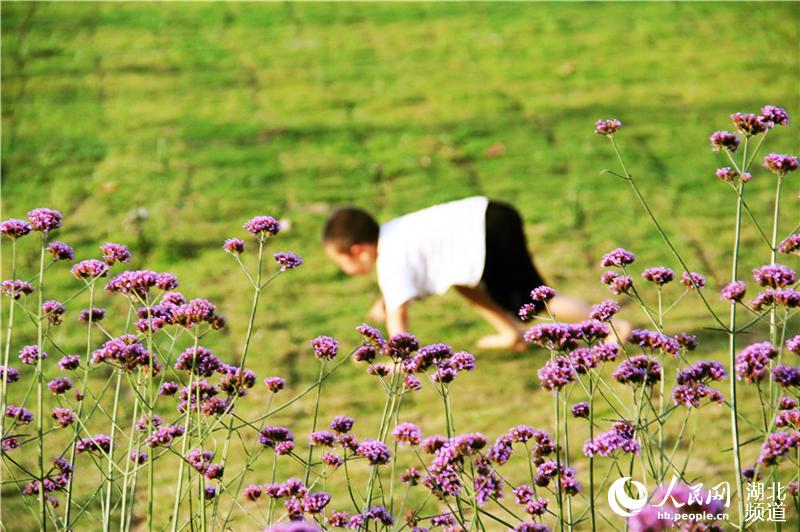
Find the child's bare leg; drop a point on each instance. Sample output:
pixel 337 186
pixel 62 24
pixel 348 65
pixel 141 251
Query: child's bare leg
pixel 509 335
pixel 573 310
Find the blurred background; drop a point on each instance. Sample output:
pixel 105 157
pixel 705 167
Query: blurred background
pixel 166 126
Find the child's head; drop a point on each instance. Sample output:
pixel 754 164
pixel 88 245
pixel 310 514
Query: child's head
pixel 350 239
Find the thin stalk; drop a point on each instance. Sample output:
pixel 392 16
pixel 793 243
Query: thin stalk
pixel 314 422
pixel 591 458
pixel 184 448
pixel 110 470
pixel 6 353
pixel 39 387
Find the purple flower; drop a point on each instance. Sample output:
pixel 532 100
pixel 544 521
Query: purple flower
pixel 793 345
pixel 325 347
pixel 234 246
pixel 774 275
pixel 580 409
pixel 542 294
pixel 332 460
pixel 752 363
pixel 748 124
pixel 728 174
pixel 556 374
pixel 253 492
pixel 734 291
pixel 199 361
pixel 60 385
pixel 401 345
pixel 778 445
pixel 658 275
pixel 60 251
pixel 780 164
pixel 30 354
pixel 168 388
pixel 692 280
pixel 411 383
pixel 262 227
pixel 407 433
pixel 773 116
pixel 127 352
pixel 788 298
pixel 724 141
pixel 605 310
pixel 791 244
pixel 410 476
pixel 90 269
pixel 101 442
pixel 657 341
pixel 322 438
pixel 9 374
pixel 164 436
pixel 618 257
pixel 93 315
pixel 113 253
pixel 619 284
pixel 376 452
pixel 787 403
pixel 21 414
pixel 371 335
pixel 16 288
pixel 554 336
pixel 271 436
pixel 63 416
pixel 314 503
pixel 637 370
pixel 287 260
pixel 210 492
pixel 15 228
pixel 342 424
pixel 607 127
pixel 619 438
pixel 53 310
pixel 274 384
pixel 365 353
pixel 786 375
pixel 44 220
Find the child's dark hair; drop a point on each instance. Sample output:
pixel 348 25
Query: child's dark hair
pixel 348 226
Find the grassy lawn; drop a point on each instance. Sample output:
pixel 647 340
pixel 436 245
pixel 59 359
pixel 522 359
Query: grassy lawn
pixel 165 127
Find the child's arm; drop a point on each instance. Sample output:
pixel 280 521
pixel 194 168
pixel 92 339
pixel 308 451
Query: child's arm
pixel 397 320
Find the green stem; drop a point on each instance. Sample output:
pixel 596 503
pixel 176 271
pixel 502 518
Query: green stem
pixel 39 386
pixel 110 470
pixel 314 422
pixel 6 353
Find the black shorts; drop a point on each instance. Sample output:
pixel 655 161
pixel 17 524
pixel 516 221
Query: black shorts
pixel 509 274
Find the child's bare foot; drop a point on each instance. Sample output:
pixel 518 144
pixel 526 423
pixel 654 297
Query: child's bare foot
pixel 502 341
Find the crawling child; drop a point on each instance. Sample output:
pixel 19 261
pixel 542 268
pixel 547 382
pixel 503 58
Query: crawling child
pixel 475 245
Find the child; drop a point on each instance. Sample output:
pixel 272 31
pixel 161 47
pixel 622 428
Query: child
pixel 474 245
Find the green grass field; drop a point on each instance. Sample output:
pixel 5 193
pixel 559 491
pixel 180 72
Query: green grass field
pixel 165 127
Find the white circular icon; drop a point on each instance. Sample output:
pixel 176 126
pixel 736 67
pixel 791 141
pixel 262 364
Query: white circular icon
pixel 621 503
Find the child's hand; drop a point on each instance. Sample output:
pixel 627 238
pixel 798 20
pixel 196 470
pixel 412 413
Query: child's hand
pixel 377 314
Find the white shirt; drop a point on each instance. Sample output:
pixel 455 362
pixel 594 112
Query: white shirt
pixel 428 251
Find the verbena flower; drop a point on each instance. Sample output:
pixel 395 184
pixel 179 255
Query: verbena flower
pixel 793 345
pixel 619 284
pixel 637 370
pixel 658 275
pixel 618 257
pixel 113 253
pixel 96 314
pixel 324 347
pixel 410 476
pixel 262 227
pixel 784 297
pixel 407 433
pixel 274 384
pixel 778 445
pixel 168 388
pixel 101 442
pixel 787 403
pixel 752 363
pixel 542 294
pixel 60 251
pixel 30 354
pixel 127 352
pixel 234 246
pixel 729 174
pixel 236 381
pixel 287 260
pixel 411 383
pixel 791 244
pixel 692 280
pixel 17 288
pixel 53 311
pixel 748 124
pixel 733 291
pixel 20 414
pixel 655 340
pixel 322 438
pixel 607 126
pixel 63 416
pixel 332 460
pixel 780 163
pixel 773 116
pixel 164 436
pixel 90 269
pixel 271 436
pixel 342 424
pixel 554 336
pixel 253 492
pixel 786 375
pixel 580 409
pixel 401 346
pixel 605 310
pixel 556 374
pixel 774 275
pixel 15 228
pixel 724 141
pixel 44 220
pixel 376 452
pixel 60 385
pixel 9 374
pixel 619 438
